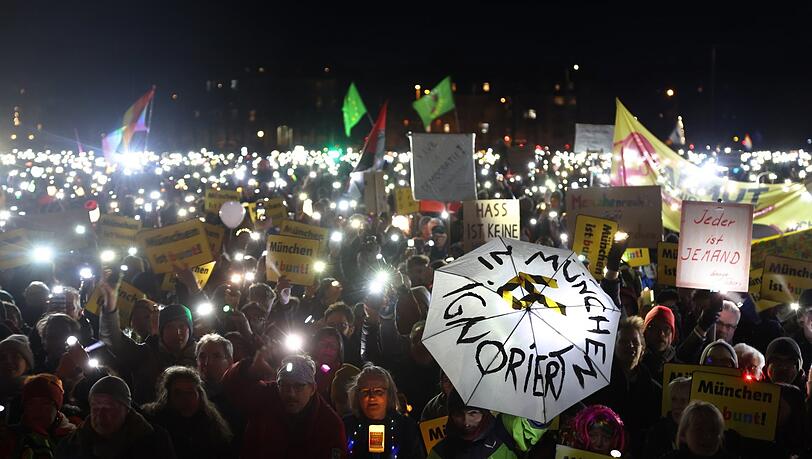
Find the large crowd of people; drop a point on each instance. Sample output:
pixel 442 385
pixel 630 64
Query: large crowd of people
pixel 246 366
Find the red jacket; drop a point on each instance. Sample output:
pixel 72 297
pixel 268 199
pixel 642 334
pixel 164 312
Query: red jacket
pixel 268 434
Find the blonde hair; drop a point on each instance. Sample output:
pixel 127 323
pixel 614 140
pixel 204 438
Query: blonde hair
pixel 370 372
pixel 699 408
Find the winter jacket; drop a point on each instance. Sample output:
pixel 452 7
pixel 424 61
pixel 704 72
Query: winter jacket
pixel 316 432
pixel 661 438
pixel 507 437
pixel 20 441
pixel 401 438
pixel 197 437
pixel 137 439
pixel 146 361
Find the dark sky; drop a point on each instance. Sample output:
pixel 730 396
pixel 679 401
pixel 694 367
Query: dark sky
pixel 89 59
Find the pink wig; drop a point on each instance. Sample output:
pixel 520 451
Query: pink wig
pixel 602 416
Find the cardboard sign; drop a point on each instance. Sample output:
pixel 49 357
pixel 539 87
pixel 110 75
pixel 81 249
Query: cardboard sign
pixel 593 239
pixel 215 234
pixel 667 253
pixel 671 371
pixel 215 198
pixel 785 278
pixel 127 296
pixel 797 244
pixel 15 249
pixel 433 431
pixel 755 291
pixel 749 408
pixel 292 257
pixel 714 246
pixel 57 228
pixel 276 209
pixel 181 245
pixel 375 192
pixel 316 233
pixel 637 257
pixel 443 167
pixel 488 219
pixel 201 273
pixel 251 208
pixel 637 209
pixel 593 138
pixel 566 452
pixel 118 231
pixel 404 201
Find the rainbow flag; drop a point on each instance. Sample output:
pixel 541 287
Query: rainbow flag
pixel 135 118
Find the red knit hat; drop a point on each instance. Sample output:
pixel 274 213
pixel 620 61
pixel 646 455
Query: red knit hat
pixel 663 312
pixel 44 385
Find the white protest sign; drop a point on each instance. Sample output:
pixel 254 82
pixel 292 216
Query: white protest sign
pixel 488 219
pixel 636 209
pixel 714 246
pixel 593 137
pixel 443 167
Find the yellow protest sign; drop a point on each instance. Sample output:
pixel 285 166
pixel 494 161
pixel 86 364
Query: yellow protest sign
pixel 637 257
pixel 214 199
pixel 201 273
pixel 566 452
pixel 754 290
pixel 15 249
pixel 404 201
pixel 784 279
pixel 433 431
pixel 672 371
pixel 181 245
pixel 749 408
pixel 797 244
pixel 215 235
pixel 127 296
pixel 276 209
pixel 667 263
pixel 316 233
pixel 292 257
pixel 593 239
pixel 118 231
pixel 251 207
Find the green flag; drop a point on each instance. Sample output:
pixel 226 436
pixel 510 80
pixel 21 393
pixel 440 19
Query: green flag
pixel 353 108
pixel 439 101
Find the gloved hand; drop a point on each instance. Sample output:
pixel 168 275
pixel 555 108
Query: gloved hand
pixel 711 314
pixel 617 250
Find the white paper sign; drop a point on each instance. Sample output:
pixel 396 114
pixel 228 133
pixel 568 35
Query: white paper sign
pixel 593 137
pixel 443 167
pixel 488 219
pixel 714 246
pixel 636 209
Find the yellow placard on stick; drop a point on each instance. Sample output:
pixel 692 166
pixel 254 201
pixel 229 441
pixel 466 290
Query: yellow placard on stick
pixel 672 371
pixel 749 408
pixel 215 235
pixel 118 231
pixel 404 201
pixel 276 209
pixel 797 244
pixel 754 290
pixel 433 431
pixel 292 257
pixel 201 273
pixel 127 296
pixel 566 452
pixel 667 263
pixel 179 246
pixel 784 279
pixel 637 257
pixel 593 239
pixel 15 249
pixel 214 199
pixel 316 233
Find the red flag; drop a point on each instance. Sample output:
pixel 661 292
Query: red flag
pixel 372 154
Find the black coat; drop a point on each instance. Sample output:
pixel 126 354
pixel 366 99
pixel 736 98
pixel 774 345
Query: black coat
pixel 400 432
pixel 136 439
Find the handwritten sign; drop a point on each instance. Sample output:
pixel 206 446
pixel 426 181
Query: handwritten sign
pixel 127 296
pixel 714 246
pixel 672 371
pixel 118 231
pixel 784 279
pixel 443 167
pixel 488 219
pixel 202 274
pixel 433 431
pixel 181 245
pixel 316 233
pixel 593 240
pixel 292 257
pixel 214 199
pixel 404 201
pixel 593 138
pixel 667 253
pixel 637 209
pixel 749 408
pixel 15 249
pixel 566 452
pixel 637 257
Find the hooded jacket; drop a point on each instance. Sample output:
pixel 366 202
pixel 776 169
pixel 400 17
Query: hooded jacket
pixel 136 439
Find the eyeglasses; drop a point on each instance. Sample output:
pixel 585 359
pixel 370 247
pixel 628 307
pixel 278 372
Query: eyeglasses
pixel 376 392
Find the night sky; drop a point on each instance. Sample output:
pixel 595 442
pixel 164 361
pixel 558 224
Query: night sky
pixel 86 61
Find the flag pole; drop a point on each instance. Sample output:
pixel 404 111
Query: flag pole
pixel 457 118
pixel 149 118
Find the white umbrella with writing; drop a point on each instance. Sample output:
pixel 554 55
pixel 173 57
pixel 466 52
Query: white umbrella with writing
pixel 521 328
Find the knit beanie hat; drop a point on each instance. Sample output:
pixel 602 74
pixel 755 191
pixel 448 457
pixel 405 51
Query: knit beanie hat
pixel 174 312
pixel 20 345
pixel 46 386
pixel 783 346
pixel 719 343
pixel 298 369
pixel 114 387
pixel 663 312
pixel 455 403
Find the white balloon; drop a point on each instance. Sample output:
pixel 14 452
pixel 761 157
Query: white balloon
pixel 232 214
